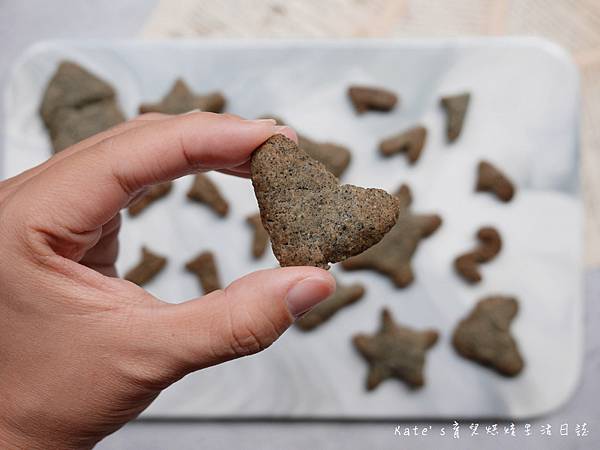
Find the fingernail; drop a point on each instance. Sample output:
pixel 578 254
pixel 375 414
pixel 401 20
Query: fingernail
pixel 265 121
pixel 306 294
pixel 192 111
pixel 286 131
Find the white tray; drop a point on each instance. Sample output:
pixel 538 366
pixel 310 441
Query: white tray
pixel 524 115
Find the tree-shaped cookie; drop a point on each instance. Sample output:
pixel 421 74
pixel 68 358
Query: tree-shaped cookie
pixel 392 255
pixel 484 335
pixel 395 351
pixel 456 107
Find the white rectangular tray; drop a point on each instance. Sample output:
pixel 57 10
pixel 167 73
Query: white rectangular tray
pixel 523 115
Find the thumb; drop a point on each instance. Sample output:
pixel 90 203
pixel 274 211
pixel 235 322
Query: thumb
pixel 244 318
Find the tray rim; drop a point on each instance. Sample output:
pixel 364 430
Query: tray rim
pixel 551 48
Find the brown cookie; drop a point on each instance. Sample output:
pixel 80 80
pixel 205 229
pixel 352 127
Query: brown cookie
pixel 484 335
pixel 365 98
pixel 72 86
pixel 153 193
pixel 410 142
pixel 310 218
pixel 342 297
pixel 261 237
pixel 77 105
pixel 491 179
pixel 149 266
pixel 490 244
pixel 395 351
pixel 336 158
pixel 456 107
pixel 180 99
pixel 205 268
pixel 204 190
pixel 392 256
pixel 70 126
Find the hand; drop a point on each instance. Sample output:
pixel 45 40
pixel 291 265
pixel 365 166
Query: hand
pixel 82 352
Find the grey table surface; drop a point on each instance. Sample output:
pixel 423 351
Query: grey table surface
pixel 23 23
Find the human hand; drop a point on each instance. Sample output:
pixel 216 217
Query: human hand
pixel 82 352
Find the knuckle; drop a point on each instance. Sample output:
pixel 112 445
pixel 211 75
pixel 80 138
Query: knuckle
pixel 150 116
pixel 230 116
pixel 244 341
pixel 247 334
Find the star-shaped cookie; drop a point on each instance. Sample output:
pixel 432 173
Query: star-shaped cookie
pixel 395 351
pixel 335 157
pixel 181 99
pixel 392 255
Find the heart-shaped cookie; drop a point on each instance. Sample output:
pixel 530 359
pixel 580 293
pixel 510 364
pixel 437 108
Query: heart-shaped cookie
pixel 311 219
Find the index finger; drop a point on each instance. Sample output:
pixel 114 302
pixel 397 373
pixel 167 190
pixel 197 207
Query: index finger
pixel 86 189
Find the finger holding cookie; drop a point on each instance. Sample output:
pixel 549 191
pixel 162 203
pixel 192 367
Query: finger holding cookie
pixel 118 345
